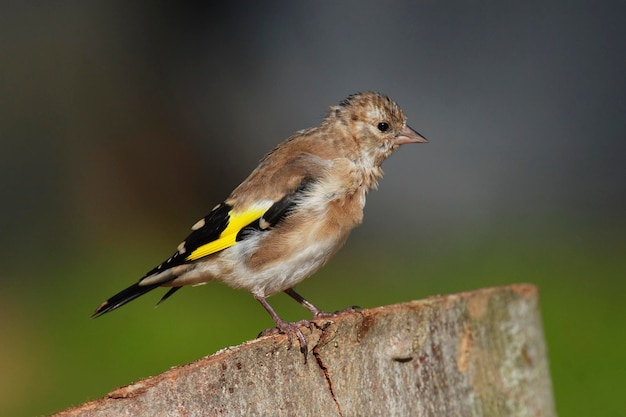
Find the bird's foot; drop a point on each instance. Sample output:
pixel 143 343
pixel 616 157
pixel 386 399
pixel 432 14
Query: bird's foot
pixel 291 329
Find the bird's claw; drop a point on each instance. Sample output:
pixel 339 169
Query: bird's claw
pixel 290 329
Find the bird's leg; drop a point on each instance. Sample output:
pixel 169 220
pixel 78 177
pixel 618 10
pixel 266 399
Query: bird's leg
pixel 286 327
pixel 306 304
pixel 317 313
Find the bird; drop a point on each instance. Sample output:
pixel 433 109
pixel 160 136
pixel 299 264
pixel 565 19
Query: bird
pixel 291 214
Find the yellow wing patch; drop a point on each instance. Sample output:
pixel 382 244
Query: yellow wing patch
pixel 236 222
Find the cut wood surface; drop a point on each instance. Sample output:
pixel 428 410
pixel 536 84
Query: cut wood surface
pixel 480 353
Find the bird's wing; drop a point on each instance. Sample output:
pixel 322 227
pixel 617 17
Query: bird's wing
pixel 274 197
pixel 207 229
pixel 209 239
pixel 230 222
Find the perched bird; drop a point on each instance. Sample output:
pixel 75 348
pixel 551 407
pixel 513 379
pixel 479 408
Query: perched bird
pixel 293 212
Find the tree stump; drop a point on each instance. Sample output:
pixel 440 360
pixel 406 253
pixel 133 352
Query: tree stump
pixel 479 353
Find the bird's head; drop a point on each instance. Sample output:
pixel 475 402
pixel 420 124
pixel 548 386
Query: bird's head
pixel 376 124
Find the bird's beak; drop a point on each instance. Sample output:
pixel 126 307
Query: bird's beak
pixel 408 135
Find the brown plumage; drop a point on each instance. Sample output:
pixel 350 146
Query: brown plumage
pixel 293 212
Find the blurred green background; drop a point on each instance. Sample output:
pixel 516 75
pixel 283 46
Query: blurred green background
pixel 121 125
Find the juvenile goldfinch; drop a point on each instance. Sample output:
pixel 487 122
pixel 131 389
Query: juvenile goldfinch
pixel 293 212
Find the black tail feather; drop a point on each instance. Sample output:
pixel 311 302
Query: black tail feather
pixel 168 294
pixel 123 297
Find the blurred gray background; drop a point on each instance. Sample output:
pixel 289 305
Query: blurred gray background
pixel 122 124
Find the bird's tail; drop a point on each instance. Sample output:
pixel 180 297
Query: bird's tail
pixel 123 297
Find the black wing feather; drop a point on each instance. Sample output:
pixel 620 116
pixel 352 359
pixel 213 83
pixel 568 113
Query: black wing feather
pixel 214 224
pixel 277 212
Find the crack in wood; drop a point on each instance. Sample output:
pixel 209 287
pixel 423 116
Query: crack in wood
pixel 323 367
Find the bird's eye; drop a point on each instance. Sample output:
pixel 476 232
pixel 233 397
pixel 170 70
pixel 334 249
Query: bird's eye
pixel 383 126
